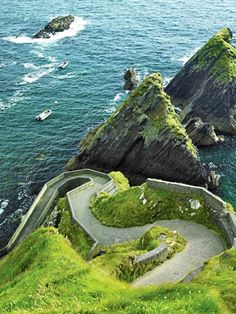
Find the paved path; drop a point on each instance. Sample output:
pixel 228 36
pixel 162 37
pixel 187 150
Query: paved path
pixel 202 243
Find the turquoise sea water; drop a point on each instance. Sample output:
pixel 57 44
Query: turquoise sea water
pixel 108 36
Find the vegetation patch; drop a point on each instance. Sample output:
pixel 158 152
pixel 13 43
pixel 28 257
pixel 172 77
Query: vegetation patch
pixel 119 259
pixel 141 205
pixel 220 55
pixel 45 275
pixel 120 181
pixel 70 229
pixel 157 111
pixel 220 273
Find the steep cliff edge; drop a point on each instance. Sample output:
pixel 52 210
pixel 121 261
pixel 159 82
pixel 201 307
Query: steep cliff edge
pixel 206 85
pixel 144 138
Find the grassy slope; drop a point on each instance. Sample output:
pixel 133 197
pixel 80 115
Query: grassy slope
pixel 120 180
pixel 141 205
pixel 119 258
pixel 45 275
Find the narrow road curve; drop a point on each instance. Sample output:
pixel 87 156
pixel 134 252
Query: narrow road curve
pixel 202 243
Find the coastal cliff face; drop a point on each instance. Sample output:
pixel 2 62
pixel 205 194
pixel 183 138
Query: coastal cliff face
pixel 57 25
pixel 144 138
pixel 205 87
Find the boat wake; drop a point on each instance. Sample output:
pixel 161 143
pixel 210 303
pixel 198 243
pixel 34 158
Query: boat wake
pixel 14 100
pixel 77 26
pixel 34 77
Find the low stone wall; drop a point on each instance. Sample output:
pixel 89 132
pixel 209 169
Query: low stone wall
pixel 215 206
pixel 46 199
pixel 94 241
pixel 161 253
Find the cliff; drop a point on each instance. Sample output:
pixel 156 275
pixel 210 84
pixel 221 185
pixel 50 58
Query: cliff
pixel 59 24
pixel 205 87
pixel 144 138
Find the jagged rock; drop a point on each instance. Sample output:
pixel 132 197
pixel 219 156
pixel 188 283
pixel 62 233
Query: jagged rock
pixel 59 24
pixel 144 139
pixel 131 79
pixel 202 134
pixel 206 85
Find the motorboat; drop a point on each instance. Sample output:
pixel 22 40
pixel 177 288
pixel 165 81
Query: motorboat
pixel 44 115
pixel 63 65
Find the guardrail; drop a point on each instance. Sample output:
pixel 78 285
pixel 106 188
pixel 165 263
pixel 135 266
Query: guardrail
pixel 215 206
pixel 55 188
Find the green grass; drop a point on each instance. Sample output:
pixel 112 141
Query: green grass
pixel 157 107
pixel 220 273
pixel 45 275
pixel 120 180
pixel 220 55
pixel 141 205
pixel 71 230
pixel 119 259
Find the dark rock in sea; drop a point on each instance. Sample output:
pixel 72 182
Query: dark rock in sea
pixel 206 85
pixel 59 24
pixel 144 138
pixel 131 79
pixel 202 134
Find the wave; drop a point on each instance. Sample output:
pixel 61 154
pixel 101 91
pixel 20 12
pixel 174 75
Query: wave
pixel 184 59
pixel 117 97
pixel 30 66
pixel 3 205
pixel 34 77
pixel 167 80
pixel 16 97
pixel 77 26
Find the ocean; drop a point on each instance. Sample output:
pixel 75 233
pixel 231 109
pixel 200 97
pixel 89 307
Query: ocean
pixel 107 37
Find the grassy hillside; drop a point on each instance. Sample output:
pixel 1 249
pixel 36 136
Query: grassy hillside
pixel 141 205
pixel 119 259
pixel 45 275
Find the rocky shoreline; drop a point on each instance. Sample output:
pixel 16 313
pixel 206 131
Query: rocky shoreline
pixel 58 24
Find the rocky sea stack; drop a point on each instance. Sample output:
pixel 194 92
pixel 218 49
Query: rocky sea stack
pixel 144 138
pixel 205 87
pixel 131 79
pixel 59 24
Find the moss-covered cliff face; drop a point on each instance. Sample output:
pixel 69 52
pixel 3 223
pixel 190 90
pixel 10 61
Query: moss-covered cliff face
pixel 59 24
pixel 205 87
pixel 143 138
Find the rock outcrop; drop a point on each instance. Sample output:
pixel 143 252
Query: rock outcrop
pixel 144 139
pixel 59 24
pixel 206 85
pixel 131 79
pixel 202 134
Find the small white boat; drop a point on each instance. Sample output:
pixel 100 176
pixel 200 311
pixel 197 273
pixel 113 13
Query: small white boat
pixel 44 115
pixel 63 65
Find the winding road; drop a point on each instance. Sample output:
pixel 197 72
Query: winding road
pixel 202 243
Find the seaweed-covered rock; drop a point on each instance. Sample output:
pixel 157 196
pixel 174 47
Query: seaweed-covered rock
pixel 144 138
pixel 206 85
pixel 131 79
pixel 59 24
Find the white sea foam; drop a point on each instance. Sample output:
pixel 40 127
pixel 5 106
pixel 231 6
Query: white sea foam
pixel 110 109
pixel 16 97
pixel 77 26
pixel 3 205
pixel 117 97
pixel 30 66
pixel 184 59
pixel 34 77
pixel 167 80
